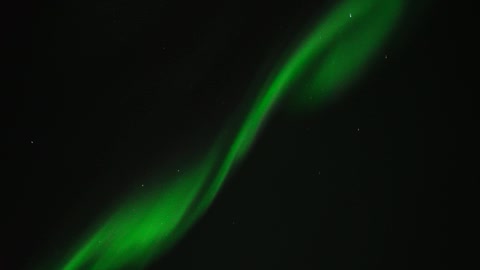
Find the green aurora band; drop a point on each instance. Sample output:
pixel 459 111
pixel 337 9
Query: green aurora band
pixel 331 55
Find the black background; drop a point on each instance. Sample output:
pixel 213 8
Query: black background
pixel 112 91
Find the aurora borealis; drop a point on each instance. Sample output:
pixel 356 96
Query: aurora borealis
pixel 234 135
pixel 334 51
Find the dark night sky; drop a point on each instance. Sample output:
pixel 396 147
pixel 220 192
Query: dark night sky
pixel 110 90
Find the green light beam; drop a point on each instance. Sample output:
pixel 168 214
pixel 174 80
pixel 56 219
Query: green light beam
pixel 332 55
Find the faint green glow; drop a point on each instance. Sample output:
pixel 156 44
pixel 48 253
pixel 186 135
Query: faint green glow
pixel 330 56
pixel 337 50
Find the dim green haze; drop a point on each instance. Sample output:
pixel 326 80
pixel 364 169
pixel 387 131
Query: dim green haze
pixel 333 53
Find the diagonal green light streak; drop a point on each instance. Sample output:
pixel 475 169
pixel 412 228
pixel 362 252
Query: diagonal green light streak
pixel 332 55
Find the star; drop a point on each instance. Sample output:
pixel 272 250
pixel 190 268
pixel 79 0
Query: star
pixel 350 15
pixel 31 142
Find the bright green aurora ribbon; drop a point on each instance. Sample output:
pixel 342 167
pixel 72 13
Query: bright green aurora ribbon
pixel 334 52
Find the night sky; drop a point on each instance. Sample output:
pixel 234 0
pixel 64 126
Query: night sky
pixel 103 96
